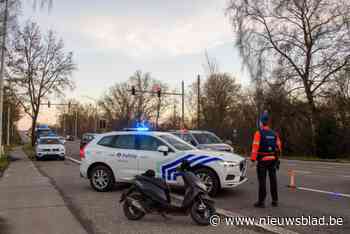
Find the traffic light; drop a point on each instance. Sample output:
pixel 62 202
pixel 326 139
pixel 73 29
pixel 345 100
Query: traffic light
pixel 69 104
pixel 133 90
pixel 48 104
pixel 159 92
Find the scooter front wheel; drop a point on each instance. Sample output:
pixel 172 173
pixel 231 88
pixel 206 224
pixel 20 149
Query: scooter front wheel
pixel 130 211
pixel 201 211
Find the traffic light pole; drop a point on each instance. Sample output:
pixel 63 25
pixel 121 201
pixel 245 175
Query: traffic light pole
pixel 8 124
pixel 159 93
pixel 198 101
pixel 69 104
pixel 158 112
pixel 183 104
pixel 76 124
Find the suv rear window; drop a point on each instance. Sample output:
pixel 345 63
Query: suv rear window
pixel 118 141
pixel 125 142
pixel 148 143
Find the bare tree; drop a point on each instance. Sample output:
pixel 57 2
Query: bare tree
pixel 211 65
pixel 39 67
pixel 220 94
pixel 119 105
pixel 308 38
pixel 42 4
pixel 146 103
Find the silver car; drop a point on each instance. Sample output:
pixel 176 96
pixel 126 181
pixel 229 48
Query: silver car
pixel 203 140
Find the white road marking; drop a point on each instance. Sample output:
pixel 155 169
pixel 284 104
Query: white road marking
pixel 74 160
pixel 327 168
pixel 325 192
pixel 320 163
pixel 302 172
pixel 227 213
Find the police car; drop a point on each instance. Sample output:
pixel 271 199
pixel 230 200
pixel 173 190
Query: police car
pixel 119 156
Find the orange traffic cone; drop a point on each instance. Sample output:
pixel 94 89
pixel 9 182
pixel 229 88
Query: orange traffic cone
pixel 291 174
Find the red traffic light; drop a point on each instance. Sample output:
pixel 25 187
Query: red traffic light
pixel 156 88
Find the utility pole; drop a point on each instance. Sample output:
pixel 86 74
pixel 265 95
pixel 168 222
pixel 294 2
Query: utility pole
pixel 96 120
pixel 198 101
pixel 8 124
pixel 183 104
pixel 157 89
pixel 174 116
pixel 76 124
pixel 64 122
pixel 2 73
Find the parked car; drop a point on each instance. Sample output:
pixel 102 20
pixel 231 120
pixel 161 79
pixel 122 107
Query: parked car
pixel 86 138
pixel 50 147
pixel 70 138
pixel 203 140
pixel 62 139
pixel 120 156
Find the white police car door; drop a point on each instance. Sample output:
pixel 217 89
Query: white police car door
pixel 125 160
pixel 149 156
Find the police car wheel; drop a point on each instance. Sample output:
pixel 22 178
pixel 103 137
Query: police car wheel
pixel 209 179
pixel 101 178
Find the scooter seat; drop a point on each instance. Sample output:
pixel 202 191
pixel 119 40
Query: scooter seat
pixel 156 181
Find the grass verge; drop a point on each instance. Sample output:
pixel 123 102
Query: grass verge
pixel 4 160
pixel 29 151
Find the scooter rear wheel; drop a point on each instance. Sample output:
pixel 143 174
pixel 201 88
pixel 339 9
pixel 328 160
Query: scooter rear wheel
pixel 201 212
pixel 130 211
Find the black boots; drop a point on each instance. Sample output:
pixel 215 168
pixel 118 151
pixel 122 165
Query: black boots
pixel 274 203
pixel 259 205
pixel 262 205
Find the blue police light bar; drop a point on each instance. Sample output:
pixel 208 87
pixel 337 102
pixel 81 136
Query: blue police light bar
pixel 139 126
pixel 143 129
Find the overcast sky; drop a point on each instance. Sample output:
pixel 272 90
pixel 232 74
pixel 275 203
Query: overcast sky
pixel 111 39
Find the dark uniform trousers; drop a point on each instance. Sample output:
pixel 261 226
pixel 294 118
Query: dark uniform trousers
pixel 264 167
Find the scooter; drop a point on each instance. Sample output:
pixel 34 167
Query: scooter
pixel 149 194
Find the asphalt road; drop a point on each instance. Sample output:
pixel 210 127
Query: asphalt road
pixel 327 177
pixel 101 213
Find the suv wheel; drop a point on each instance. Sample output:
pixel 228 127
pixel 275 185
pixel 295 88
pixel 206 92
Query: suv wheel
pixel 209 179
pixel 101 178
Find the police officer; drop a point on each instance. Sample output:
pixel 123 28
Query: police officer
pixel 265 150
